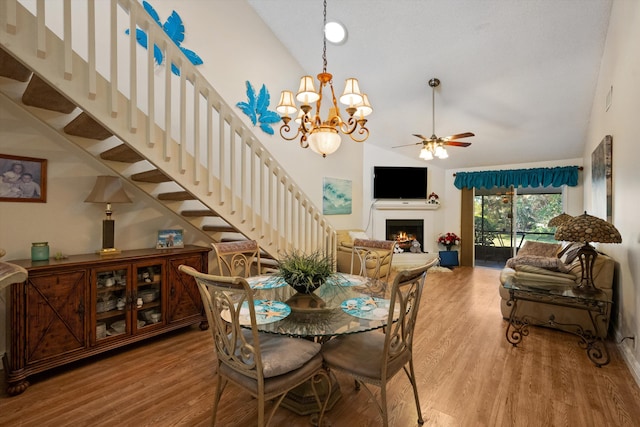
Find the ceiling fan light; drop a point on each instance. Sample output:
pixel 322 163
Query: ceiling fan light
pixel 351 95
pixel 364 108
pixel 286 106
pixel 307 91
pixel 443 154
pixel 426 154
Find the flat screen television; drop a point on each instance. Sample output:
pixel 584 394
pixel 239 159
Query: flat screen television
pixel 398 182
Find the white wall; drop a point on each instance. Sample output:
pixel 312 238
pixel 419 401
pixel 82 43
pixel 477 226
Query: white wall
pixel 620 68
pixel 433 219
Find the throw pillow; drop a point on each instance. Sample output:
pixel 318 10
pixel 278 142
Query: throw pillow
pixel 358 235
pixel 571 252
pixel 539 249
pixel 551 263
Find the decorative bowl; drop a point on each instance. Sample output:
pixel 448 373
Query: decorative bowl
pixel 148 295
pixel 120 326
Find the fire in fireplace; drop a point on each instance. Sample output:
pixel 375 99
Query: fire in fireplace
pixel 405 231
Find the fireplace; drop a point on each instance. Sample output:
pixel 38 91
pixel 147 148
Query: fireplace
pixel 405 231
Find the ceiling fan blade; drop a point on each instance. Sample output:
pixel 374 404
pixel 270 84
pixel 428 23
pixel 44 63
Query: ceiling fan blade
pixel 421 136
pixel 406 145
pixel 456 143
pixel 459 136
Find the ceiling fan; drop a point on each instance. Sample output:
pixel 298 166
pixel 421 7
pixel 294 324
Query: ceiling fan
pixel 434 145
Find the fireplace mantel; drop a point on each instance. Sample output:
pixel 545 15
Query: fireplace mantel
pixel 404 205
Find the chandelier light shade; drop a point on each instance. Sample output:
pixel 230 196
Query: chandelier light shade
pixel 108 189
pixel 323 136
pixel 586 229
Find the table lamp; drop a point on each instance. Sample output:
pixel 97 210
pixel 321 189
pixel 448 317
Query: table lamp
pixel 560 220
pixel 108 189
pixel 585 229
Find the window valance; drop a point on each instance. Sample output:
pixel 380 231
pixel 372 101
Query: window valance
pixel 536 177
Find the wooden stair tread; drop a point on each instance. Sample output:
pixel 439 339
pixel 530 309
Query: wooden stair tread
pixel 220 228
pixel 86 127
pixel 176 195
pixel 196 213
pixel 12 68
pixel 121 153
pixel 154 175
pixel 40 94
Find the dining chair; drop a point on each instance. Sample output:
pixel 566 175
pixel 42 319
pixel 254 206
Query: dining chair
pixel 374 358
pixel 238 258
pixel 266 365
pixel 372 258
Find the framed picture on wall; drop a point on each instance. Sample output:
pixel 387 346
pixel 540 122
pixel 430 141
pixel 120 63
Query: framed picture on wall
pixel 169 239
pixel 336 196
pixel 23 179
pixel 601 175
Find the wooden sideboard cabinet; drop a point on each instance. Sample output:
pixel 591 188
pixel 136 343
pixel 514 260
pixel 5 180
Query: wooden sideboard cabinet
pixel 84 305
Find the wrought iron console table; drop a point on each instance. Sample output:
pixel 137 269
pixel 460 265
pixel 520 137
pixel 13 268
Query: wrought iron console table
pixel 595 304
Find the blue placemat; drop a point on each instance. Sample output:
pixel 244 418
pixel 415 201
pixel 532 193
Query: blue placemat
pixel 267 311
pixel 265 282
pixel 370 308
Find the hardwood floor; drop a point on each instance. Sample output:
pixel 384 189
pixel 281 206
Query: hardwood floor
pixel 468 376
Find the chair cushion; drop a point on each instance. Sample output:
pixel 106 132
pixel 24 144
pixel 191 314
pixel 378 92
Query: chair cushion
pixel 361 355
pixel 283 354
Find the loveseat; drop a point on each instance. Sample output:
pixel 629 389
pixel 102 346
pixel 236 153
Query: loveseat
pixel 345 240
pixel 548 265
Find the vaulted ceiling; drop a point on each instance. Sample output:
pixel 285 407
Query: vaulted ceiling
pixel 520 74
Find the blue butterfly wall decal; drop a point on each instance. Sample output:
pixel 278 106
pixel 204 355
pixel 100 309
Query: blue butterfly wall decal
pixel 256 108
pixel 174 28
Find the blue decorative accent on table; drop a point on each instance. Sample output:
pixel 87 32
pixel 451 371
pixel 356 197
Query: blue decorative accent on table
pixel 370 308
pixel 174 28
pixel 267 311
pixel 256 108
pixel 449 258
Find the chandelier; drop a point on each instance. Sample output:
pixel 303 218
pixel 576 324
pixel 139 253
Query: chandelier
pixel 323 136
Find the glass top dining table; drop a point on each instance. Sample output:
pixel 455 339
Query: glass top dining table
pixel 345 304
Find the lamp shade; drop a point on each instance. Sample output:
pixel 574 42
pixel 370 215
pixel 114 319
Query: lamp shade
pixel 307 91
pixel 364 108
pixel 108 189
pixel 286 105
pixel 559 220
pixel 586 228
pixel 351 94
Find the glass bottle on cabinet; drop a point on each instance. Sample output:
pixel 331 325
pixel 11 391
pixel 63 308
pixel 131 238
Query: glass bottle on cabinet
pixel 147 294
pixel 111 302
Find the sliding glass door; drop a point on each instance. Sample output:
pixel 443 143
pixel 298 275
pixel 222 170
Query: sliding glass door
pixel 504 218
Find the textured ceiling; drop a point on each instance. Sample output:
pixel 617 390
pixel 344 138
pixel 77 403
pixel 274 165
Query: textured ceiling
pixel 520 74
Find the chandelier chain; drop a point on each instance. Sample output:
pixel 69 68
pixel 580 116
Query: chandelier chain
pixel 324 39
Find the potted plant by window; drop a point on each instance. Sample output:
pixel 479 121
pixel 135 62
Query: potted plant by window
pixel 305 272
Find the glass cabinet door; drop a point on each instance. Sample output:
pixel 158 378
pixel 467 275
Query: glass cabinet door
pixel 111 300
pixel 147 293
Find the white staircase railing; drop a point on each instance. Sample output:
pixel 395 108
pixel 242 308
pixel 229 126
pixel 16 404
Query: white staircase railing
pixel 180 124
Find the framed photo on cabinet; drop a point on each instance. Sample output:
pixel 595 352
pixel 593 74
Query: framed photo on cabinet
pixel 168 239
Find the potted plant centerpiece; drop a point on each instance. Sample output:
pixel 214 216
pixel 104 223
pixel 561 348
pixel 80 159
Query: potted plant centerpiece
pixel 305 272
